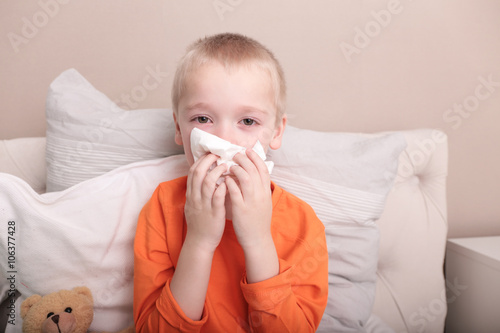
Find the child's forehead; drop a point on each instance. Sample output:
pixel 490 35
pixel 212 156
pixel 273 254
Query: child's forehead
pixel 245 68
pixel 207 74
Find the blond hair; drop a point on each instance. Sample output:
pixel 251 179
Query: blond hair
pixel 231 51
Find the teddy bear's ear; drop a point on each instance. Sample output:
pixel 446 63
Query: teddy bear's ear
pixel 28 303
pixel 84 291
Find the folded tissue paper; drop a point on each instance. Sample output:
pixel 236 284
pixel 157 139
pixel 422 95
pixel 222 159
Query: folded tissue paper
pixel 203 142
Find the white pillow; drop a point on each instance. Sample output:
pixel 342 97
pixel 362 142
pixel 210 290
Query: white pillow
pixel 88 134
pixel 25 158
pixel 82 236
pixel 345 177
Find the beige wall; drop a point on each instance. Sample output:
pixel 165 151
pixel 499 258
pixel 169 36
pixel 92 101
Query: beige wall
pixel 351 66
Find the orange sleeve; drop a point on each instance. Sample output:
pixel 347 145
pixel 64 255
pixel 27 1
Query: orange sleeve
pixel 155 309
pixel 295 299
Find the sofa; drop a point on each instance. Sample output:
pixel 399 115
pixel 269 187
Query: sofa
pixel 75 195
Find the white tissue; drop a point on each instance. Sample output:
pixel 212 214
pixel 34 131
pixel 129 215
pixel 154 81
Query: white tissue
pixel 203 142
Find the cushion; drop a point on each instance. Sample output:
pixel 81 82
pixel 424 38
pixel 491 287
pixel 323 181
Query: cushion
pixel 25 158
pixel 88 134
pixel 82 236
pixel 346 178
pixel 413 231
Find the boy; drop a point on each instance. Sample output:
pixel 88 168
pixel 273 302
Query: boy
pixel 239 256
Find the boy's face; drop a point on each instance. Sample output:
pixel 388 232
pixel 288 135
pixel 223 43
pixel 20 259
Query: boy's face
pixel 237 106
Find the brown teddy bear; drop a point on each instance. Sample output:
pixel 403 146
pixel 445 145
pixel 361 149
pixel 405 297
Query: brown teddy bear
pixel 64 311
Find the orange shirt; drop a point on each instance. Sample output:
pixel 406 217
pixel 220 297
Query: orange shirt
pixel 292 301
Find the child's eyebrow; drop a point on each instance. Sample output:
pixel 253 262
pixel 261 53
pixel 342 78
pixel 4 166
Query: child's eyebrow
pixel 252 109
pixel 203 106
pixel 242 109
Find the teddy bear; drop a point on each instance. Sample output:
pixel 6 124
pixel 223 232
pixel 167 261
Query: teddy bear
pixel 64 311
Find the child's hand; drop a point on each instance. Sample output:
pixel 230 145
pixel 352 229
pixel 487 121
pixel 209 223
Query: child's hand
pixel 251 199
pixel 204 209
pixel 252 209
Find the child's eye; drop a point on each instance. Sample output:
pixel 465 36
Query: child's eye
pixel 202 119
pixel 248 121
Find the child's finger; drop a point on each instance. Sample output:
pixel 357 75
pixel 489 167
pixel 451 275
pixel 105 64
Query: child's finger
pixel 248 165
pixel 210 181
pixel 244 179
pixel 259 164
pixel 219 197
pixel 198 171
pixel 234 190
pixel 251 162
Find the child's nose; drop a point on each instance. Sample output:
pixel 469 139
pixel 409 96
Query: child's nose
pixel 230 133
pixel 226 133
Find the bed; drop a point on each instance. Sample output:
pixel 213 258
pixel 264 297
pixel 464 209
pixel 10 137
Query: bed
pixel 75 194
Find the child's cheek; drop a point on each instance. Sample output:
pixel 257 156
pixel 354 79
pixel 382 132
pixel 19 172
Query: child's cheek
pixel 265 138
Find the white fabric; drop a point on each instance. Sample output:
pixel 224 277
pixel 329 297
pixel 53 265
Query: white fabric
pixel 376 325
pixel 25 158
pixel 81 236
pixel 88 134
pixel 345 177
pixel 203 142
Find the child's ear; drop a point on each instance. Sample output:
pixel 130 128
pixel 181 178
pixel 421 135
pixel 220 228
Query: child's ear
pixel 178 136
pixel 278 133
